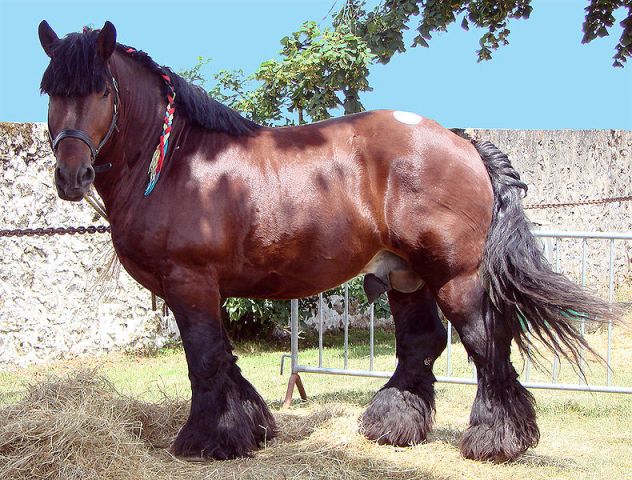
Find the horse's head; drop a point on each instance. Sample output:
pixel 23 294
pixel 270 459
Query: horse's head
pixel 83 105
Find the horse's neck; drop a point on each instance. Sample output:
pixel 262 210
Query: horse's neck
pixel 133 145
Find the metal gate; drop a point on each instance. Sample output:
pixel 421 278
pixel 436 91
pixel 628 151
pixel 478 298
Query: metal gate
pixel 554 246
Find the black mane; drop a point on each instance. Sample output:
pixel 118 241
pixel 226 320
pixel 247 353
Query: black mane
pixel 76 69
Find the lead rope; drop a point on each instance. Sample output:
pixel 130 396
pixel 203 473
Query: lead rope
pixel 157 161
pixel 91 198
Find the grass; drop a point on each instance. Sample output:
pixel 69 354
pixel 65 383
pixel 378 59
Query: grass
pixel 584 435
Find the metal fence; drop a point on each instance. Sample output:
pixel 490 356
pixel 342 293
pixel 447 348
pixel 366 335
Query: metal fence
pixel 576 266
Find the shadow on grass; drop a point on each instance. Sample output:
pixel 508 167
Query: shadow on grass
pixel 309 436
pixel 531 459
pixel 349 397
pixel 346 397
pixel 452 436
pixel 448 435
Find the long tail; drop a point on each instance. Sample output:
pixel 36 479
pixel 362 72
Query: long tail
pixel 525 291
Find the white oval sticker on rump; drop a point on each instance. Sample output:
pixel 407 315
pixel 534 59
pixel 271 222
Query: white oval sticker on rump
pixel 408 118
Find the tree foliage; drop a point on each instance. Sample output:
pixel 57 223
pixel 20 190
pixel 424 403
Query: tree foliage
pixel 321 69
pixel 383 27
pixel 318 70
pixel 600 17
pixel 316 67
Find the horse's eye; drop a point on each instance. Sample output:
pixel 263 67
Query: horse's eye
pixel 107 92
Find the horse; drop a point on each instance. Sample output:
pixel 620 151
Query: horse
pixel 205 204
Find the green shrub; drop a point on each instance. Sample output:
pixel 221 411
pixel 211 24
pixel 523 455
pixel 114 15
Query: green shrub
pixel 268 313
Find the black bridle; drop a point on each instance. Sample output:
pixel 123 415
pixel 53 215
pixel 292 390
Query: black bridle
pixel 85 138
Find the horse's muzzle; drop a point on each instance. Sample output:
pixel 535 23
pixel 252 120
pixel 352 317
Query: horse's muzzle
pixel 72 184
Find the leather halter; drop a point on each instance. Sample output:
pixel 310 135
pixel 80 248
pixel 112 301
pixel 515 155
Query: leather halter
pixel 85 138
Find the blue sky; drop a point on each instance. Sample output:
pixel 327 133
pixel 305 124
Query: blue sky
pixel 544 79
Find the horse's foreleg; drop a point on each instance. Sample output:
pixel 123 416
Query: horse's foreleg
pixel 401 412
pixel 502 422
pixel 228 418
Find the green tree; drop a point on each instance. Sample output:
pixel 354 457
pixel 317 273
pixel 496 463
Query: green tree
pixel 600 17
pixel 318 70
pixel 322 69
pixel 383 27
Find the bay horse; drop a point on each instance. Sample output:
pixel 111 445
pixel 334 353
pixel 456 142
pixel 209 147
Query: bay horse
pixel 235 209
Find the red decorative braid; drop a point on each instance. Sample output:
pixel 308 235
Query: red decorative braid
pixel 158 158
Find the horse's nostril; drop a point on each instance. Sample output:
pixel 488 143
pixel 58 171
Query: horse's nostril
pixel 87 177
pixel 60 178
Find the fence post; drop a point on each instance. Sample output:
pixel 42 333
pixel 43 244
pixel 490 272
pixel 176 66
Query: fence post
pixel 295 379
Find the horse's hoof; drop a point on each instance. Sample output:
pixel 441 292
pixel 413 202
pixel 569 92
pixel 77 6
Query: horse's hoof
pixel 195 444
pixel 502 423
pixel 498 444
pixel 261 420
pixel 397 417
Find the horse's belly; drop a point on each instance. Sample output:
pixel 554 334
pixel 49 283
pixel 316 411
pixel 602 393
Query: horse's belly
pixel 309 276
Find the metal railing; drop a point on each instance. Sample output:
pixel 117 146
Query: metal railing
pixel 552 241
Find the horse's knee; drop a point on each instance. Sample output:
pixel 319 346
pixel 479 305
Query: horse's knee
pixel 484 335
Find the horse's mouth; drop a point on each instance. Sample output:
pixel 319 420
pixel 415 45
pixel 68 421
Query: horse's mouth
pixel 72 195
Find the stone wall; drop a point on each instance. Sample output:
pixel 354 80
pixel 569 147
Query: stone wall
pixel 561 166
pixel 564 166
pixel 52 304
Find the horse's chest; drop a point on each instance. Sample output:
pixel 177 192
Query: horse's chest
pixel 138 259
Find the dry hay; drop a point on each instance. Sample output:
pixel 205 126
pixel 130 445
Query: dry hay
pixel 80 427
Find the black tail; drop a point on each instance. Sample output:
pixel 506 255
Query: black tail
pixel 525 291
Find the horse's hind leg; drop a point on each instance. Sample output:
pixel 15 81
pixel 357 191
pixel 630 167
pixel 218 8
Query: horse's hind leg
pixel 401 412
pixel 228 418
pixel 502 422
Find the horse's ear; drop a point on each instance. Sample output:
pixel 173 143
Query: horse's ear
pixel 106 41
pixel 47 37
